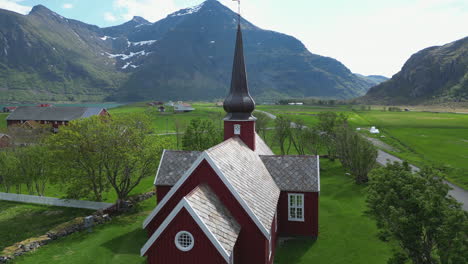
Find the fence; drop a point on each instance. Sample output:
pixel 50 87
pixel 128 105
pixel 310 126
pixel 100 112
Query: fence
pixel 23 198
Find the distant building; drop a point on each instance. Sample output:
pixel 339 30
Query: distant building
pixel 162 109
pixel 374 130
pixel 170 103
pixel 183 107
pixel 5 140
pixel 219 104
pixel 53 115
pixel 9 109
pixel 293 103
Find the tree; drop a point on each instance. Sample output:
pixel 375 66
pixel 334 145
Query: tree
pixel 355 153
pixel 282 133
pixel 298 136
pixel 34 164
pixel 130 152
pixel 415 210
pixel 201 135
pixel 79 157
pixel 8 169
pixel 261 125
pixel 313 142
pixel 328 122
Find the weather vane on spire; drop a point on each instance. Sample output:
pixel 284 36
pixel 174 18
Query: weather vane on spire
pixel 238 10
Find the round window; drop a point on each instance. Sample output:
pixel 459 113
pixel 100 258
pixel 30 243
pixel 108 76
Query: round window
pixel 184 241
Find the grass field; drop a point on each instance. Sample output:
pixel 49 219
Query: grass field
pixel 347 236
pixel 422 138
pixel 20 221
pixel 3 122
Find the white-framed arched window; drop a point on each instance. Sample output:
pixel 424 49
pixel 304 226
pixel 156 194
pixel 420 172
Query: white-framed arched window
pixel 184 241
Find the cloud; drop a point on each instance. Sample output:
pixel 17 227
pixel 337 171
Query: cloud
pixel 152 10
pixel 67 6
pixel 15 6
pixel 108 16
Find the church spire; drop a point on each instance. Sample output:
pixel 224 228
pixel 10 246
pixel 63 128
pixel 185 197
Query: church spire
pixel 239 105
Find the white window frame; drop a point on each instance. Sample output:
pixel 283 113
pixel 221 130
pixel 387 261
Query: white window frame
pixel 179 246
pixel 237 129
pixel 295 206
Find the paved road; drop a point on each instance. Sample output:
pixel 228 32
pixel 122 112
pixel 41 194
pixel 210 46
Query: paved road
pixel 460 194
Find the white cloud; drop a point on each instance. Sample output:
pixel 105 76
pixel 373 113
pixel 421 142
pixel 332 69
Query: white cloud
pixel 152 10
pixel 67 6
pixel 15 6
pixel 108 16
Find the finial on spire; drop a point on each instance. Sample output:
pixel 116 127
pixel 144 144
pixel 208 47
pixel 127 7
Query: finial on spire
pixel 239 105
pixel 238 11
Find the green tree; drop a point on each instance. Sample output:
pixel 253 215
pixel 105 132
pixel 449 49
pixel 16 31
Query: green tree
pixel 261 125
pixel 201 135
pixel 282 133
pixel 414 209
pixel 328 123
pixel 299 135
pixel 8 169
pixel 130 152
pixel 356 154
pixel 34 164
pixel 79 159
pixel 313 142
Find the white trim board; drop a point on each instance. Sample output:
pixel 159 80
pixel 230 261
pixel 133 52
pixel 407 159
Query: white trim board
pixel 159 166
pixel 318 173
pixel 205 156
pixel 185 204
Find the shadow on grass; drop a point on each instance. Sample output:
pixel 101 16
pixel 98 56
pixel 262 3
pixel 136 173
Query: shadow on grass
pixel 292 250
pixel 128 243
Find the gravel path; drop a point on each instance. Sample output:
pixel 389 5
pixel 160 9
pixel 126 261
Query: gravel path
pixel 460 194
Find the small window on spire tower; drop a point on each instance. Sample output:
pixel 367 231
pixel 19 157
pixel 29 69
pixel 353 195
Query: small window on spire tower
pixel 237 129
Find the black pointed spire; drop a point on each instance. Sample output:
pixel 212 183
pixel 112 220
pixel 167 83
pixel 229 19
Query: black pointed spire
pixel 239 105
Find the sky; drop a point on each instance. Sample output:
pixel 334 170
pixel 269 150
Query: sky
pixel 370 37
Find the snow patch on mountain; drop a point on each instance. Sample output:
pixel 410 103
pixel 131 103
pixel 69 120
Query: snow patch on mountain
pixel 128 56
pixel 187 11
pixel 141 43
pixel 107 37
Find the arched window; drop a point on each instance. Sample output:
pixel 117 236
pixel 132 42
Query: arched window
pixel 184 241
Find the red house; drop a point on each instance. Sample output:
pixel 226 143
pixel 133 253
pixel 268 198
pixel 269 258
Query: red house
pixel 229 204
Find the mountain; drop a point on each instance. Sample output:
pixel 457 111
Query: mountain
pixel 373 80
pixel 185 56
pixel 433 75
pixel 44 56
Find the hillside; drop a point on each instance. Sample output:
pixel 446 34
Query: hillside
pixel 433 75
pixel 185 56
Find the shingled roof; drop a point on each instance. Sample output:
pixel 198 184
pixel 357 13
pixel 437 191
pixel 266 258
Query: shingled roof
pixel 294 173
pixel 53 113
pixel 215 216
pixel 246 172
pixel 173 164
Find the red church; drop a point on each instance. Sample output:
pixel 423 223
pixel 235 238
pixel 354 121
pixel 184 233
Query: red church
pixel 230 203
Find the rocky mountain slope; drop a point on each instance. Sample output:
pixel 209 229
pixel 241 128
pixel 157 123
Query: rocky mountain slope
pixel 433 75
pixel 186 56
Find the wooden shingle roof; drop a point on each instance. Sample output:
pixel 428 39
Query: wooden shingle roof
pixel 215 216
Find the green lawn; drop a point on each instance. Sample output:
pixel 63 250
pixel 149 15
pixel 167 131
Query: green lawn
pixel 346 235
pixel 427 139
pixel 20 221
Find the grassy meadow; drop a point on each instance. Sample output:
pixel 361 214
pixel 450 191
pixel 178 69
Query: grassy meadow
pixel 346 234
pixel 16 220
pixel 3 123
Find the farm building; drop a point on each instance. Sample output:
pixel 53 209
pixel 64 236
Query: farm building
pixel 230 203
pixel 180 107
pixel 9 109
pixel 53 115
pixel 5 140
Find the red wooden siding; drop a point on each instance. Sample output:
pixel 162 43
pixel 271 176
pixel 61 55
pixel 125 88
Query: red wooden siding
pixel 161 191
pixel 252 246
pixel 164 250
pixel 293 228
pixel 247 132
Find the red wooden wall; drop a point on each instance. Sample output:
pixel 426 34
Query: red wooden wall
pixel 293 228
pixel 164 250
pixel 252 246
pixel 247 132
